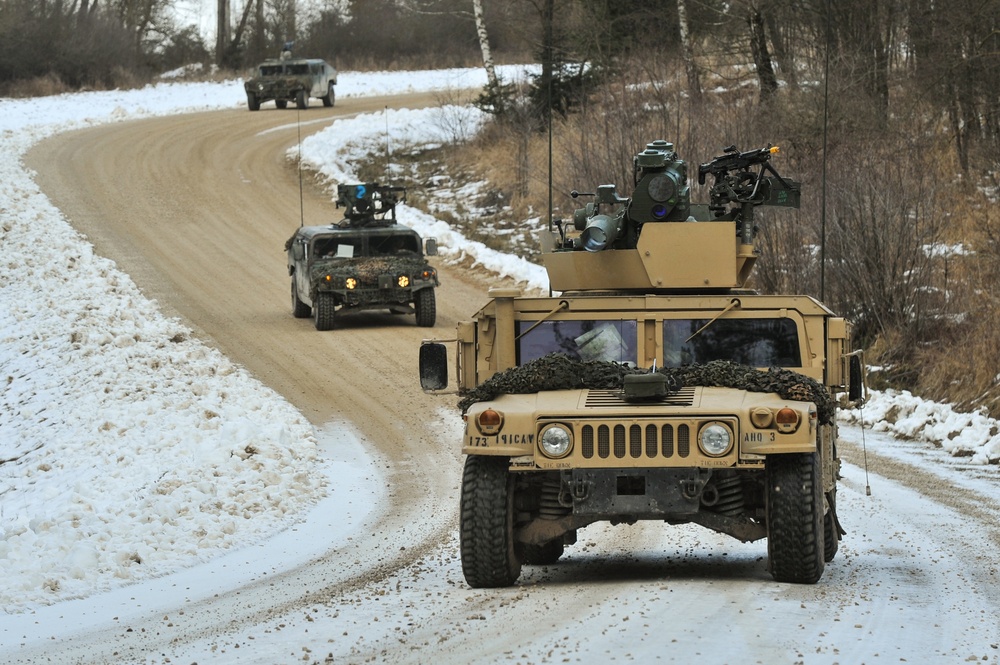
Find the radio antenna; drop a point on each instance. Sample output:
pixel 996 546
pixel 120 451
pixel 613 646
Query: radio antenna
pixel 388 151
pixel 298 166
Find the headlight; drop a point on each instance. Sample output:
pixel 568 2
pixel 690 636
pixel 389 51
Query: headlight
pixel 556 441
pixel 715 439
pixel 351 282
pixel 403 281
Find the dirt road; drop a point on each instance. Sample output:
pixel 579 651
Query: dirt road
pixel 196 208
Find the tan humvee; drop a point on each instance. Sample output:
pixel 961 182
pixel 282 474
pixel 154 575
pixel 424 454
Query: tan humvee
pixel 652 386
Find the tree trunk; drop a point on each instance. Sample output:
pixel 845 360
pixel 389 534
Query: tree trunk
pixel 690 66
pixel 222 32
pixel 484 45
pixel 761 55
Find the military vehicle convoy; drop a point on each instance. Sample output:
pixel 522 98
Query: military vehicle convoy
pixel 652 385
pixel 365 261
pixel 291 80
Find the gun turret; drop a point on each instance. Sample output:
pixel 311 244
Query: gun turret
pixel 645 242
pixel 369 204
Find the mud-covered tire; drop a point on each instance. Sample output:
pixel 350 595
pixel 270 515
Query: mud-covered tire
pixel 301 99
pixel 486 523
pixel 323 311
pixel 330 98
pixel 425 305
pixel 252 102
pixel 281 103
pixel 542 555
pixel 300 310
pixel 795 518
pixel 831 535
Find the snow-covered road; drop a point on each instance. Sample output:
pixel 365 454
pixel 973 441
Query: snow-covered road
pixel 342 579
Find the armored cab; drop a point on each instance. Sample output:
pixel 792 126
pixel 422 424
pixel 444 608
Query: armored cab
pixel 652 385
pixel 365 261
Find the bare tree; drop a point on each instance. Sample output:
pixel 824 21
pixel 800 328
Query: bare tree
pixel 690 66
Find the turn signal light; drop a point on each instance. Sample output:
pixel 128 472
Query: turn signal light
pixel 787 420
pixel 489 422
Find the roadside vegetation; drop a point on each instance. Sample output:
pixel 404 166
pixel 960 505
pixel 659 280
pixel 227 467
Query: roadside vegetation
pixel 888 112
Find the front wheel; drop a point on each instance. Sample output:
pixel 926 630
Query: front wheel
pixel 486 523
pixel 425 305
pixel 252 102
pixel 301 99
pixel 795 546
pixel 300 310
pixel 330 98
pixel 323 311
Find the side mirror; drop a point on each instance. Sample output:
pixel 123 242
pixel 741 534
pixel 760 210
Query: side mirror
pixel 433 366
pixel 431 247
pixel 298 251
pixel 857 378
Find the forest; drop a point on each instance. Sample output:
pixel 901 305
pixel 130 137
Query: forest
pixel 887 111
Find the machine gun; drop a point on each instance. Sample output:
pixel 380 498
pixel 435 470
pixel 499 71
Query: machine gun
pixel 369 204
pixel 735 184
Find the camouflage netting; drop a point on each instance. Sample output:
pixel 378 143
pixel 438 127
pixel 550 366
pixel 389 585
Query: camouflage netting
pixel 367 269
pixel 560 372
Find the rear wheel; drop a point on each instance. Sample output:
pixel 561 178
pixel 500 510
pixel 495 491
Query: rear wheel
pixel 300 310
pixel 330 98
pixel 323 311
pixel 252 102
pixel 425 305
pixel 795 518
pixel 301 99
pixel 486 523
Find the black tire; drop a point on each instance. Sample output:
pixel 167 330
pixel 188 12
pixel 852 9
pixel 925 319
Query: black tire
pixel 281 103
pixel 300 310
pixel 425 305
pixel 486 523
pixel 252 102
pixel 542 555
pixel 301 99
pixel 323 311
pixel 330 97
pixel 795 518
pixel 831 530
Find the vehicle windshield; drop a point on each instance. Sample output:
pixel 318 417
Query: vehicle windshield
pixel 298 69
pixel 753 342
pixel 341 247
pixel 395 245
pixel 581 340
pixel 270 70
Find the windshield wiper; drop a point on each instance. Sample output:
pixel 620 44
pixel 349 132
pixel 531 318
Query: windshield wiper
pixel 735 302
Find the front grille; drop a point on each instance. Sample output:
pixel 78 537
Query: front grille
pixel 635 441
pixel 613 399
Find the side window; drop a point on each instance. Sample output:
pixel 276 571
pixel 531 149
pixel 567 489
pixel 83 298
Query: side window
pixel 753 342
pixel 582 340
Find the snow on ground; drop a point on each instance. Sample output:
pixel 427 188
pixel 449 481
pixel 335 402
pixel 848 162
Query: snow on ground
pixel 128 449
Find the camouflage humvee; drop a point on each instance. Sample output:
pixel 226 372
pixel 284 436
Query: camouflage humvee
pixel 287 79
pixel 652 385
pixel 366 261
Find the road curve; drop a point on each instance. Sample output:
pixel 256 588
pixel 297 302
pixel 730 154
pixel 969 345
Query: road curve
pixel 196 208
